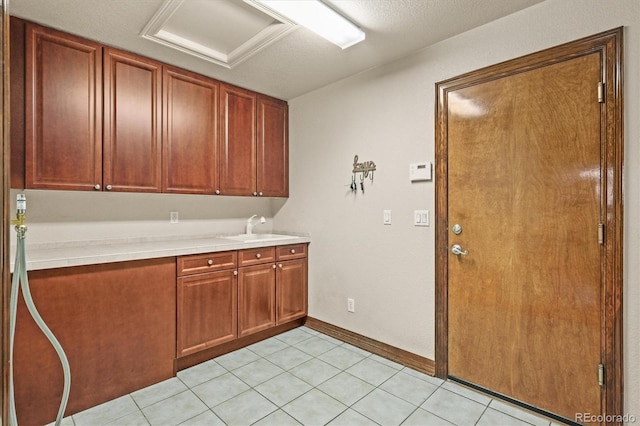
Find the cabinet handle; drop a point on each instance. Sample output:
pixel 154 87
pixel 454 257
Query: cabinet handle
pixel 260 194
pixel 96 186
pixel 255 193
pixel 293 251
pixel 280 265
pixel 209 262
pixel 109 187
pixel 217 192
pixel 235 273
pixel 258 255
pixel 274 266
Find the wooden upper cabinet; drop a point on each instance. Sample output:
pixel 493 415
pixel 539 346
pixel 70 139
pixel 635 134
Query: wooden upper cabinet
pixel 16 110
pixel 190 133
pixel 273 147
pixel 132 148
pixel 139 126
pixel 238 141
pixel 63 141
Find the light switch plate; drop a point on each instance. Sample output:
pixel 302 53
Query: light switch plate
pixel 386 217
pixel 421 217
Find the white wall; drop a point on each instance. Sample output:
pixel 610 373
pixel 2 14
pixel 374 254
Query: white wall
pixel 387 115
pixel 63 216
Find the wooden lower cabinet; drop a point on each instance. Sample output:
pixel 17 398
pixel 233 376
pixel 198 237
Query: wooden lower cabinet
pixel 116 324
pixel 272 293
pixel 256 298
pixel 234 296
pixel 207 313
pixel 291 290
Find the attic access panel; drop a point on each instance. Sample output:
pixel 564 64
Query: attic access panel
pixel 225 32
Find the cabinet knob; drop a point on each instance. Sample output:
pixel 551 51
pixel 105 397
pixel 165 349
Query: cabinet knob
pixel 260 194
pixel 109 187
pixel 209 262
pixel 217 192
pixel 255 193
pixel 235 273
pixel 293 251
pixel 96 186
pixel 258 255
pixel 274 266
pixel 280 265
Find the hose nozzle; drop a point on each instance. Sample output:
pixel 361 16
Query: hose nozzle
pixel 21 215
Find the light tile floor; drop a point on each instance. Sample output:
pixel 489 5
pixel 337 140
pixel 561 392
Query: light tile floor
pixel 304 377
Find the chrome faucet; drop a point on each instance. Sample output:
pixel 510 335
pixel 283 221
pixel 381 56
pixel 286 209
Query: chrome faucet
pixel 250 224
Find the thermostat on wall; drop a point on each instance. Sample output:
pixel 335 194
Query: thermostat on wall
pixel 420 171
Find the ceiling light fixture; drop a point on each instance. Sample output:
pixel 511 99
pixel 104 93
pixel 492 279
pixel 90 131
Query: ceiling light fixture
pixel 317 17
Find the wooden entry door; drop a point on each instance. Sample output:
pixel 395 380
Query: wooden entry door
pixel 521 233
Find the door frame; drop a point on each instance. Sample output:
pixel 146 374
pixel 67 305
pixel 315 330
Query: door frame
pixel 5 225
pixel 609 45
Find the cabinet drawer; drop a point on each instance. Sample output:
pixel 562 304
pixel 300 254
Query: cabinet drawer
pixel 199 263
pixel 292 251
pixel 256 256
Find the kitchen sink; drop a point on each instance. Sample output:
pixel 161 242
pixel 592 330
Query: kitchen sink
pixel 254 238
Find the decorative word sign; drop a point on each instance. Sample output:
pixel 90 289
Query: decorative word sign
pixel 365 167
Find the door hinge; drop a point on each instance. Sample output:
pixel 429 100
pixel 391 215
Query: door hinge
pixel 601 233
pixel 600 92
pixel 601 374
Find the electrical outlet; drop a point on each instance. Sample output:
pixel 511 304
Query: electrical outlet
pixel 173 218
pixel 351 305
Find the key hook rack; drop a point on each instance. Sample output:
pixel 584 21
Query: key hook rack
pixel 364 169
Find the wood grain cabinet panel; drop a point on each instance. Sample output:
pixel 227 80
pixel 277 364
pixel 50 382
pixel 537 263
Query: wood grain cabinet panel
pixel 17 107
pixel 256 298
pixel 273 148
pixel 207 310
pixel 237 141
pixel 291 251
pixel 209 262
pixel 132 150
pixel 117 325
pixel 291 290
pixel 256 256
pixel 63 146
pixel 190 133
pixel 165 129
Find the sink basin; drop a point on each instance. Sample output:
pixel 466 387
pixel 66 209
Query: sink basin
pixel 254 238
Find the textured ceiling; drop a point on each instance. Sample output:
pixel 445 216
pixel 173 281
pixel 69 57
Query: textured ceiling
pixel 296 63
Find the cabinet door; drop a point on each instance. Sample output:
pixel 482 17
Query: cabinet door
pixel 256 298
pixel 132 151
pixel 206 310
pixel 190 133
pixel 238 141
pixel 291 290
pixel 116 323
pixel 273 147
pixel 63 111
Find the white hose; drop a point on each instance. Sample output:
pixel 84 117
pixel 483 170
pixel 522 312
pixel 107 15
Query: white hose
pixel 20 276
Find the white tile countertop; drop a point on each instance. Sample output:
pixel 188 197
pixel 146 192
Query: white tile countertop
pixel 77 253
